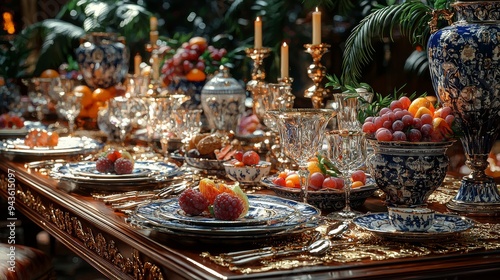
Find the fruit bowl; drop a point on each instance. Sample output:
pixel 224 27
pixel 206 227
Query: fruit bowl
pixel 331 199
pixel 248 174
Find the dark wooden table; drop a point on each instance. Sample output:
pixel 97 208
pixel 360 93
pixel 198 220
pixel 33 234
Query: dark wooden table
pixel 120 251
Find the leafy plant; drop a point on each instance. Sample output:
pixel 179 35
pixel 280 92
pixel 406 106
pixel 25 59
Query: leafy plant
pixel 336 84
pixel 410 17
pixel 58 38
pixel 10 55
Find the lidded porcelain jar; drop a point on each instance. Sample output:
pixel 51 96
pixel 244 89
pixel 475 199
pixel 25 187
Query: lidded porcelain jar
pixel 223 101
pixel 103 59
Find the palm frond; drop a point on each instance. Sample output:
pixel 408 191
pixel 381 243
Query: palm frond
pixel 342 6
pixel 51 38
pixel 411 17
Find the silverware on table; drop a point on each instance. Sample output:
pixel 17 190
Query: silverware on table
pixel 317 246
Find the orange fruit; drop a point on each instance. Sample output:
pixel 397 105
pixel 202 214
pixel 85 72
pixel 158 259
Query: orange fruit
pixel 223 188
pixel 357 184
pixel 53 139
pixel 49 73
pixel 200 41
pixel 87 98
pixel 418 103
pixel 441 130
pixel 196 75
pixel 101 94
pixel 313 167
pixel 208 189
pixel 295 178
pixel 84 113
pixel 93 110
pixel 423 110
pixel 113 90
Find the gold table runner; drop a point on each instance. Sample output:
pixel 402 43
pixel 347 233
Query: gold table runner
pixel 357 244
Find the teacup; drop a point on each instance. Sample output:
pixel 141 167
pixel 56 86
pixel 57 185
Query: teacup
pixel 411 219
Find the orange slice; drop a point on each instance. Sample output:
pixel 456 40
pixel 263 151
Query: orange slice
pixel 418 103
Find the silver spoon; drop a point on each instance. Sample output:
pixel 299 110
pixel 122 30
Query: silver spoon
pixel 318 247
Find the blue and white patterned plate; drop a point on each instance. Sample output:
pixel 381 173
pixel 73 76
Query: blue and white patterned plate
pixel 445 226
pixel 158 174
pixel 144 171
pixel 88 169
pixel 147 213
pixel 260 212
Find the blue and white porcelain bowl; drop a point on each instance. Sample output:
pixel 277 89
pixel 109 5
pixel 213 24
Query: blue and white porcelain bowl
pixel 411 219
pixel 248 174
pixel 408 172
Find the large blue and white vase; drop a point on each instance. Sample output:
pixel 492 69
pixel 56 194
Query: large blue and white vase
pixel 103 59
pixel 408 172
pixel 464 61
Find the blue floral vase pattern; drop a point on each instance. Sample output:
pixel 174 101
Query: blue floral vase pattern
pixel 408 172
pixel 103 59
pixel 464 61
pixel 223 101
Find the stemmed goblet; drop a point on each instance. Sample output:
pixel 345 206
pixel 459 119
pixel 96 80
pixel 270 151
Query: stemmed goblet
pixel 347 152
pixel 187 123
pixel 301 132
pixel 68 101
pixel 39 92
pixel 121 115
pixel 347 147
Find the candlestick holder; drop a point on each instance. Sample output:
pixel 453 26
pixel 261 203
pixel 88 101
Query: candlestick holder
pixel 258 72
pixel 287 98
pixel 316 71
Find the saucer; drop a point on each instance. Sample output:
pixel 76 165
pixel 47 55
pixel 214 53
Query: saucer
pixel 445 226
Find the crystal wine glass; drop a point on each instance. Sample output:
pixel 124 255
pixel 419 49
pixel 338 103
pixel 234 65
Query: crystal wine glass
pixel 187 123
pixel 277 100
pixel 39 90
pixel 121 115
pixel 347 146
pixel 68 101
pixel 301 132
pixel 347 152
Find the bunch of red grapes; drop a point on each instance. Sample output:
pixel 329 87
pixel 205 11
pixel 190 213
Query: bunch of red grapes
pixel 191 60
pixel 413 121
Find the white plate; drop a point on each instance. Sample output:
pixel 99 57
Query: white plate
pixel 67 146
pixel 445 226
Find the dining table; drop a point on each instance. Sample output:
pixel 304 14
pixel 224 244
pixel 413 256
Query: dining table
pixel 120 249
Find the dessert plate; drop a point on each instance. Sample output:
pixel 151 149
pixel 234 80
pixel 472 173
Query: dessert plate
pixel 260 212
pixel 445 226
pixel 145 171
pixel 88 169
pixel 150 174
pixel 19 132
pixel 303 213
pixel 67 146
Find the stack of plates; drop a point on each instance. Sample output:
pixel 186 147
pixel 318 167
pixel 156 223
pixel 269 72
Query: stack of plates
pixel 267 216
pixel 83 175
pixel 66 147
